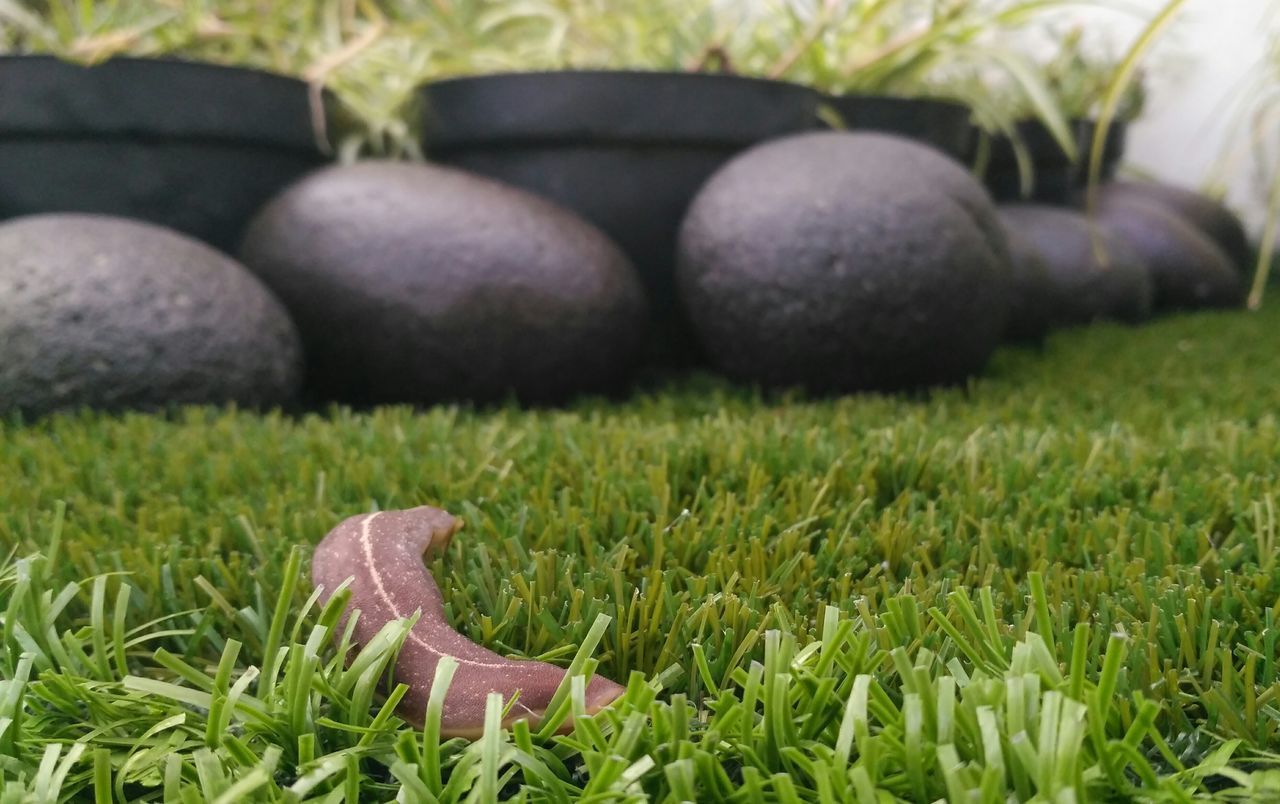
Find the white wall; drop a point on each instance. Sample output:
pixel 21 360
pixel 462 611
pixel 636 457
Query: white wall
pixel 1196 77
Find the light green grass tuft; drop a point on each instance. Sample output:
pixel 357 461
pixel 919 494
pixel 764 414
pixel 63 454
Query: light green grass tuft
pixel 1061 581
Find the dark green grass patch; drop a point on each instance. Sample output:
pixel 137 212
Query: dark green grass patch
pixel 1062 581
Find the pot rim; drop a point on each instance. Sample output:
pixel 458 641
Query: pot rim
pixel 939 103
pixel 162 98
pixel 618 107
pixel 603 73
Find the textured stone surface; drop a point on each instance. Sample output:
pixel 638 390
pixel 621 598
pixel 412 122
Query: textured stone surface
pixel 1213 218
pixel 842 262
pixel 1081 287
pixel 1188 269
pixel 110 313
pixel 415 283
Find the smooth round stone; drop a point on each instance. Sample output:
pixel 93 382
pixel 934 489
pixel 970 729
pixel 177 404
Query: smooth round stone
pixel 1188 270
pixel 416 283
pixel 111 313
pixel 1031 292
pixel 1213 218
pixel 1092 274
pixel 843 262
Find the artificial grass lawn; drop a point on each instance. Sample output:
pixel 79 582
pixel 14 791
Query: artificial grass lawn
pixel 1062 582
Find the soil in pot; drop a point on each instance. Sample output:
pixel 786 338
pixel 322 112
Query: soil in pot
pixel 1189 271
pixel 194 147
pixel 1210 216
pixel 114 313
pixel 945 125
pixel 626 150
pixel 1081 288
pixel 1056 179
pixel 420 284
pixel 844 262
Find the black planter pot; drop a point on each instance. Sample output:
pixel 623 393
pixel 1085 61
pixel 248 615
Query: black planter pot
pixel 195 147
pixel 1056 179
pixel 626 150
pixel 1112 150
pixel 943 124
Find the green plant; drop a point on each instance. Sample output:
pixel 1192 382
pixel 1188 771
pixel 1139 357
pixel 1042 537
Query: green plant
pixel 491 35
pixel 346 46
pixel 1076 81
pixel 1255 114
pixel 957 48
pixel 1266 129
pixel 963 49
pixel 1117 89
pixel 1260 108
pixel 1079 77
pixel 373 53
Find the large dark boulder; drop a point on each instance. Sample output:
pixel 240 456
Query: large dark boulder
pixel 415 283
pixel 1188 270
pixel 842 262
pixel 110 313
pixel 1222 225
pixel 1092 274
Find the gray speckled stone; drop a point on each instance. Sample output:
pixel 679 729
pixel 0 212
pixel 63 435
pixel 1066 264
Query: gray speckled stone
pixel 111 313
pixel 1222 225
pixel 1188 269
pixel 416 283
pixel 844 262
pixel 1081 289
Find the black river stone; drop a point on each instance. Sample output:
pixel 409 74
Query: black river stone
pixel 415 283
pixel 1031 292
pixel 845 261
pixel 1093 274
pixel 1213 218
pixel 1189 271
